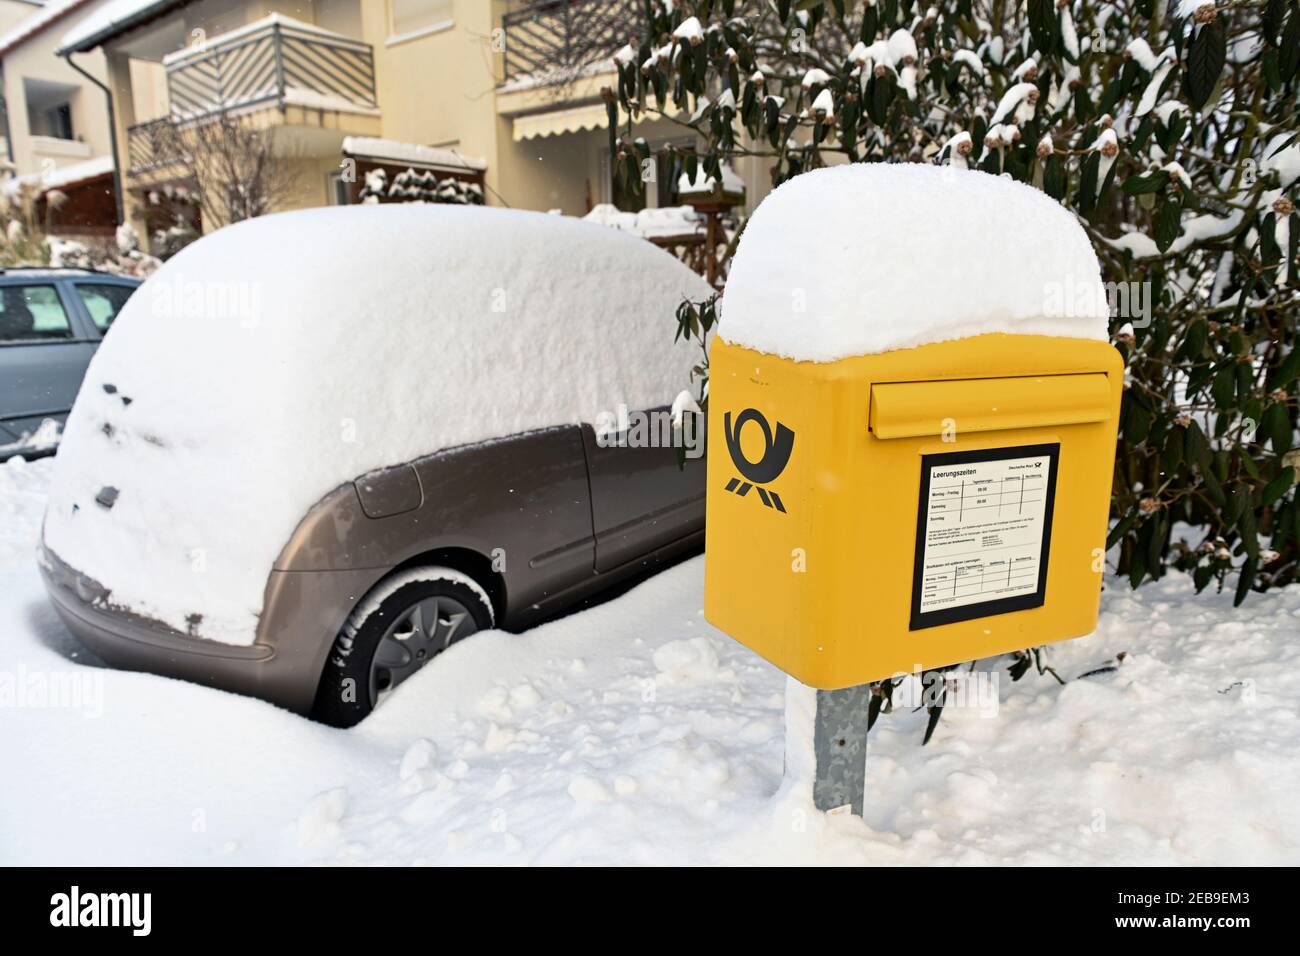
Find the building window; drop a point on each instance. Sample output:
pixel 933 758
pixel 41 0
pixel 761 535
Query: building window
pixel 49 108
pixel 412 17
pixel 59 120
pixel 337 189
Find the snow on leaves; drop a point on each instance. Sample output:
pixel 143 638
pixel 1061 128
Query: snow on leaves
pixel 1169 129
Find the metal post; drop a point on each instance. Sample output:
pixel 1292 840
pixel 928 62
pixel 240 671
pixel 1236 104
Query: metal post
pixel 279 64
pixel 826 740
pixel 840 745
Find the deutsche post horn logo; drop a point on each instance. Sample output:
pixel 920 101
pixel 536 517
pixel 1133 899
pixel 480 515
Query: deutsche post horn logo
pixel 776 455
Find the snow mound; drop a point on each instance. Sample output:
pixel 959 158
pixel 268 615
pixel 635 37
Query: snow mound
pixel 691 659
pixel 865 258
pixel 319 820
pixel 274 360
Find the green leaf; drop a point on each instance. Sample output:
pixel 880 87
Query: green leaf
pixel 1055 179
pixel 1205 62
pixel 1121 528
pixel 1168 222
pixel 869 25
pixel 1276 488
pixel 611 117
pixel 1043 24
pixel 1212 485
pixel 1248 464
pixel 880 93
pixel 1194 443
pixel 1197 335
pixel 1244 582
pixel 1137 569
pixel 1275 425
pixel 1201 577
pixel 1171 454
pixel 1274 12
pixel 1288 54
pixel 1238 501
pixel 1148 182
pixel 935 713
pixel 873 709
pixel 1270 64
pixel 1137 421
pixel 1223 387
pixel 1087 199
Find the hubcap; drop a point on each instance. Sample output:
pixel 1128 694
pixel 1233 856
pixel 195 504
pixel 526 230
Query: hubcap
pixel 417 635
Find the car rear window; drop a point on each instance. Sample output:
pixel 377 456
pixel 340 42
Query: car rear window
pixel 32 313
pixel 103 301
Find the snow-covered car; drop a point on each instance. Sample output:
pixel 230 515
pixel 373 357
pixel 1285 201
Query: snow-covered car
pixel 322 446
pixel 51 323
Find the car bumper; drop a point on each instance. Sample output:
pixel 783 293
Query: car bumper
pixel 303 614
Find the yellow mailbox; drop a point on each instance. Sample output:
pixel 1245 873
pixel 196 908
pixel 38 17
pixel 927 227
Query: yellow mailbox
pixel 914 507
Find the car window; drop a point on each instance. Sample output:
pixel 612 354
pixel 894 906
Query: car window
pixel 103 301
pixel 32 313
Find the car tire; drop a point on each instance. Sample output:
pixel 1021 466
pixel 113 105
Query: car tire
pixel 403 624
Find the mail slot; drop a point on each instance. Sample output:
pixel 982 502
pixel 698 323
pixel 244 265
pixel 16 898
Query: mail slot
pixel 909 509
pixel 912 409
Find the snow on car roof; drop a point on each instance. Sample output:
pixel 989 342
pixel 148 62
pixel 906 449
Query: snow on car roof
pixel 274 360
pixel 865 258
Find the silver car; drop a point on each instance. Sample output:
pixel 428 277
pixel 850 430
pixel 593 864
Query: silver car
pixel 51 323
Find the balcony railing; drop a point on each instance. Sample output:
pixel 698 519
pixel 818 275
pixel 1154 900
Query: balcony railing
pixel 273 61
pixel 151 145
pixel 559 38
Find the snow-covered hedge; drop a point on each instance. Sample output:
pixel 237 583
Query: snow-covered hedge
pixel 1168 128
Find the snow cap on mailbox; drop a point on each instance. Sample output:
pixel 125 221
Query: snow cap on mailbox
pixel 912 419
pixel 864 258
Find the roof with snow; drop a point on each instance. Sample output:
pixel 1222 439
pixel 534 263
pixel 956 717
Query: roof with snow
pixel 395 151
pixel 111 19
pixel 38 22
pixel 661 223
pixel 63 176
pixel 417 328
pixel 865 258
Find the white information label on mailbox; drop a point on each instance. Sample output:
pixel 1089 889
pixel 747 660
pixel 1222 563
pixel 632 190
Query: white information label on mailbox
pixel 983 533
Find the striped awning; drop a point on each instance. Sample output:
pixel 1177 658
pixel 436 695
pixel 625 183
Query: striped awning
pixel 570 120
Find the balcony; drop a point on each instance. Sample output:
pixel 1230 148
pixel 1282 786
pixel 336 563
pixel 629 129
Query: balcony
pixel 150 146
pixel 557 40
pixel 275 61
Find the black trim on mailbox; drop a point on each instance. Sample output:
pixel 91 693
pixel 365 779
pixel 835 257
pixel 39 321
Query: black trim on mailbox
pixel 1019 602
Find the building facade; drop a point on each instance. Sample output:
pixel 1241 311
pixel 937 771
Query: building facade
pixel 54 117
pixel 497 101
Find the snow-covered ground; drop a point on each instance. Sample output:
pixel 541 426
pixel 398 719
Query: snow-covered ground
pixel 636 733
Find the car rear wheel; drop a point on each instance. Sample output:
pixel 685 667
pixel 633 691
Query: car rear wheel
pixel 408 621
